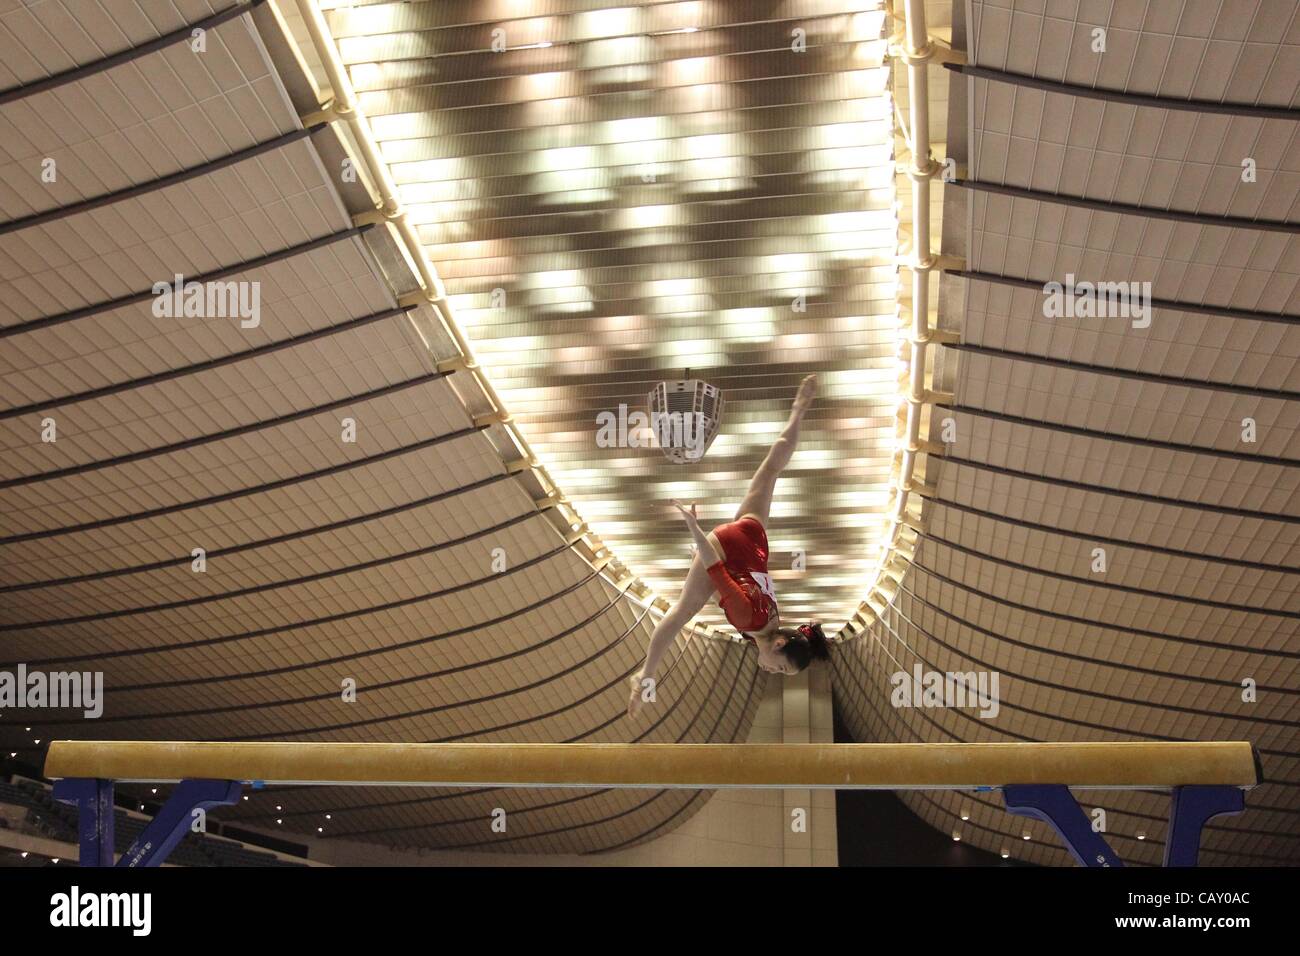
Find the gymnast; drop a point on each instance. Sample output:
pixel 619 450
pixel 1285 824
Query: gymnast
pixel 731 562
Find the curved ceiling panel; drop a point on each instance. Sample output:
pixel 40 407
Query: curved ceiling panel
pixel 1100 534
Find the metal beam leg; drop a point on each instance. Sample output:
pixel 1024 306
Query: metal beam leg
pixel 171 824
pixel 1055 804
pixel 1189 809
pixel 94 802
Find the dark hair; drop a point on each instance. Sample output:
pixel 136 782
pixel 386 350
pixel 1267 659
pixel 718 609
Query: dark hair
pixel 804 644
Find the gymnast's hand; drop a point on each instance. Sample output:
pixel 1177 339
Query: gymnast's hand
pixel 707 550
pixel 688 514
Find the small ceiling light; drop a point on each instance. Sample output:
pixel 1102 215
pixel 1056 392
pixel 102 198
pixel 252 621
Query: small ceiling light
pixel 245 796
pixel 1005 853
pixel 279 822
pixel 956 836
pixel 320 829
pixel 56 859
pixel 328 817
pixel 965 814
pixel 1028 835
pixel 278 807
pixel 1142 834
pixel 24 854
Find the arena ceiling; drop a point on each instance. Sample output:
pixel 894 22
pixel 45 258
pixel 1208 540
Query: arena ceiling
pixel 621 194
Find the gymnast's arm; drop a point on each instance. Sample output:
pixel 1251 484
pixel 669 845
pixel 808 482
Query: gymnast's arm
pixel 695 594
pixel 676 618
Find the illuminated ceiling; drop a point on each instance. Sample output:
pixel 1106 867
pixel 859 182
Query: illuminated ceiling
pixel 619 195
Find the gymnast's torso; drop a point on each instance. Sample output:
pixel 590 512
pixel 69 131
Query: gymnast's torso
pixel 745 591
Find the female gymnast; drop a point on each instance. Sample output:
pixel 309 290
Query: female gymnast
pixel 731 561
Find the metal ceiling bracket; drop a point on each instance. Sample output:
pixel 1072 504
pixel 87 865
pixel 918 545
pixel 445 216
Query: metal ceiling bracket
pixel 517 465
pixel 927 446
pixel 497 417
pixel 935 50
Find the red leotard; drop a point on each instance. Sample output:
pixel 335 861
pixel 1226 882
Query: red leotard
pixel 745 591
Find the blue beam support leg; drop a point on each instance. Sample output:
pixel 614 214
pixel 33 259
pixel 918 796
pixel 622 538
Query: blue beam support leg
pixel 94 802
pixel 1055 805
pixel 1189 809
pixel 173 821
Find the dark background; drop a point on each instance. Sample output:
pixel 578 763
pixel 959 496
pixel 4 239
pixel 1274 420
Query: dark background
pixel 875 828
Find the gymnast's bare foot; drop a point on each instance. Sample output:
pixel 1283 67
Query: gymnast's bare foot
pixel 634 701
pixel 807 392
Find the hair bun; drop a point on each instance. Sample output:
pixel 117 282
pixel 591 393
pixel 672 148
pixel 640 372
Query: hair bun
pixel 817 643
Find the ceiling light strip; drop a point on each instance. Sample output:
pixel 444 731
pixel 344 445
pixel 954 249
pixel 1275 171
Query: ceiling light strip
pixel 916 48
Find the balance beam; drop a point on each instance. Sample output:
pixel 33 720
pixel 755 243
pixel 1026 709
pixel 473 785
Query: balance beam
pixel 1206 779
pixel 940 766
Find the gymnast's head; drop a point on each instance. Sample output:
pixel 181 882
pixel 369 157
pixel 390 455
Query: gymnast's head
pixel 788 650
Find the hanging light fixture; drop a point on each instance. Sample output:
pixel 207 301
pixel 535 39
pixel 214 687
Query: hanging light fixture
pixel 685 416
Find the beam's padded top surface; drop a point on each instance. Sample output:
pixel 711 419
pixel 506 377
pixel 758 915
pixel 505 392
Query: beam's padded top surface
pixel 695 766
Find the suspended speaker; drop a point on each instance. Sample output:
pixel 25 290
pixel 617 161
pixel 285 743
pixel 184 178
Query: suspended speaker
pixel 685 417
